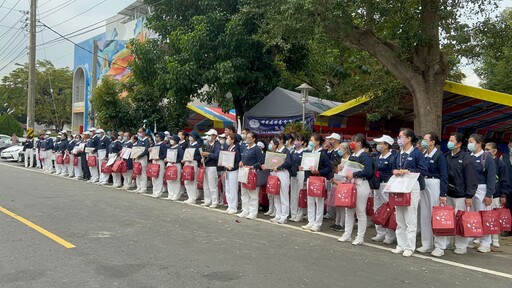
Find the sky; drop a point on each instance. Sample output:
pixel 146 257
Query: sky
pixel 76 14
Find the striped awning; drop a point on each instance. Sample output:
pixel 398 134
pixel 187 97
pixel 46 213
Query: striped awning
pixel 215 115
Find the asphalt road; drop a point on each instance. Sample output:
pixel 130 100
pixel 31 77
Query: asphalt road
pixel 128 240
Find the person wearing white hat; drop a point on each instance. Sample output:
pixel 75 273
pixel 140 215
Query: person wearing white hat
pixel 63 146
pixel 77 153
pixel 334 141
pixel 383 171
pixel 46 152
pixel 211 177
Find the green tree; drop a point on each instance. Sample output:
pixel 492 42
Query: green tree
pixel 415 41
pixel 53 94
pixel 9 125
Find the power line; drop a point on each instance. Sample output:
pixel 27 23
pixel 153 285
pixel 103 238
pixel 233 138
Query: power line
pixel 12 27
pixel 10 10
pixel 45 3
pixel 11 40
pixel 53 10
pixel 65 21
pixel 14 59
pixel 13 50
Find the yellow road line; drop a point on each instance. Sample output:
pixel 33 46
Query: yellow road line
pixel 38 229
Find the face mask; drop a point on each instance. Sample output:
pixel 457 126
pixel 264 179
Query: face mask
pixel 340 153
pixel 352 146
pixel 70 139
pixel 191 139
pixel 77 139
pixel 450 145
pixel 424 144
pixel 400 142
pixel 243 136
pixel 311 145
pixel 229 142
pixel 297 145
pixel 172 142
pixel 139 135
pixel 209 138
pixel 222 141
pixel 471 147
pixel 270 147
pixel 379 148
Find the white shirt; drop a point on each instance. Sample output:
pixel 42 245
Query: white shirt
pixel 431 155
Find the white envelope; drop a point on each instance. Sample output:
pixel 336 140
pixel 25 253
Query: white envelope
pixel 402 184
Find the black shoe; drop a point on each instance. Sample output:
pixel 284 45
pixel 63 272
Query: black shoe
pixel 332 226
pixel 339 228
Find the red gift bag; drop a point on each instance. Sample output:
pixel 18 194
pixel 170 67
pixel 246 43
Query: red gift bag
pixel 391 223
pixel 171 173
pixel 381 216
pixel 490 222
pixel 105 169
pixel 346 195
pixel 119 167
pixel 60 159
pixel 443 221
pixel 316 187
pixel 188 173
pixel 67 159
pixel 200 177
pixel 303 198
pixel 458 222
pixel 505 219
pixel 273 185
pixel 137 168
pixel 251 181
pixel 91 161
pixel 331 197
pixel 400 199
pixel 369 206
pixel 152 170
pixel 471 224
pixel 75 161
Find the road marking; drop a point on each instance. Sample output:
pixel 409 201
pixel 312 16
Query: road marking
pixel 38 228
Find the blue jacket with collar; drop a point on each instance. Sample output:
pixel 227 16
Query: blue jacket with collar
pixel 486 175
pixel 502 179
pixel 252 156
pixel 462 179
pixel 365 160
pixel 143 143
pixel 438 168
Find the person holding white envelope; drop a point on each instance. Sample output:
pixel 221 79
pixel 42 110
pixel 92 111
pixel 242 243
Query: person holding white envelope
pixel 142 180
pixel 127 176
pixel 195 143
pixel 114 149
pixel 409 160
pixel 296 179
pixel 211 176
pixel 158 182
pixel 104 142
pixel 174 186
pixel 231 189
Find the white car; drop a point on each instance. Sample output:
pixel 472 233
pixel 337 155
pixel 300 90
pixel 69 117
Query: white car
pixel 13 153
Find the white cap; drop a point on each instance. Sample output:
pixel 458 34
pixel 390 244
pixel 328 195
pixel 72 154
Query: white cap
pixel 48 133
pixel 60 133
pixel 92 129
pixel 334 136
pixel 261 145
pixel 222 135
pixel 167 133
pixel 87 133
pixel 100 131
pixel 212 132
pixel 385 138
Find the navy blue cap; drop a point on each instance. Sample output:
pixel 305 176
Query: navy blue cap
pixel 176 138
pixel 161 135
pixel 195 135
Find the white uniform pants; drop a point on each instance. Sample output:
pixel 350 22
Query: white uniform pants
pixel 102 154
pixel 94 170
pixel 64 167
pixel 69 166
pixel 142 180
pixel 296 184
pixel 127 179
pixel 58 167
pixel 407 220
pixel 174 187
pixel 231 190
pixel 48 164
pixel 54 162
pixel 38 162
pixel 496 204
pixel 363 191
pixel 158 183
pixel 380 198
pixel 282 201
pixel 478 205
pixel 211 186
pixel 78 168
pixel 191 186
pixel 250 201
pixel 442 242
pixel 29 157
pixel 429 198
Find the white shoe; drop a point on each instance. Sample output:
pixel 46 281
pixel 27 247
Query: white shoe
pixel 388 241
pixel 143 191
pixel 328 217
pixel 252 216
pixel 476 241
pixel 206 204
pixel 379 238
pixel 242 214
pixel 424 249
pixel 345 238
pixel 358 241
pixel 438 252
pixel 268 213
pixel 231 212
pixel 483 249
pixel 296 219
pixel 273 214
pixel 307 226
pixel 397 250
pixel 496 243
pixel 460 251
pixel 274 220
pixel 315 229
pixel 213 206
pixel 190 201
pixel 282 221
pixel 408 253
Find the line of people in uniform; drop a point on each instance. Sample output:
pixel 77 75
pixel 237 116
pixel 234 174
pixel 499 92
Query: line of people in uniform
pixel 468 177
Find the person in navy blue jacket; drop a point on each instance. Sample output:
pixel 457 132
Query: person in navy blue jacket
pixel 360 178
pixel 383 171
pixel 195 144
pixel 316 204
pixel 231 186
pixel 410 160
pixel 281 201
pixel 48 149
pixel 142 180
pixel 486 176
pixel 436 181
pixel 114 149
pixel 71 145
pixel 252 158
pixel 211 176
pixel 502 184
pixel 63 146
pixel 174 188
pixel 103 143
pixel 297 179
pixel 55 149
pixel 128 143
pixel 158 182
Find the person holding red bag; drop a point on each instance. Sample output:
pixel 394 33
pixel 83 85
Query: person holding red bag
pixel 142 180
pixel 360 179
pixel 281 201
pixel 114 148
pixel 232 174
pixel 383 171
pixel 409 160
pixel 316 204
pixel 174 186
pixel 211 176
pixel 196 142
pixel 127 176
pixel 499 199
pixel 158 182
pixel 462 185
pixel 252 157
pixel 296 179
pixel 435 181
pixel 486 176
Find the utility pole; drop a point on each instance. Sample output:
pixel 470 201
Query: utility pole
pixel 31 70
pixel 94 81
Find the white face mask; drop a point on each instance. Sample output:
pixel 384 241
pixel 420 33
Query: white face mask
pixel 243 136
pixel 172 142
pixel 209 138
pixel 229 142
pixel 191 139
pixel 222 141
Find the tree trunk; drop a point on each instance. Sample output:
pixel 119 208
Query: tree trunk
pixel 238 103
pixel 428 105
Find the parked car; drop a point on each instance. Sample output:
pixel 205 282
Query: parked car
pixel 2 136
pixel 5 143
pixel 13 153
